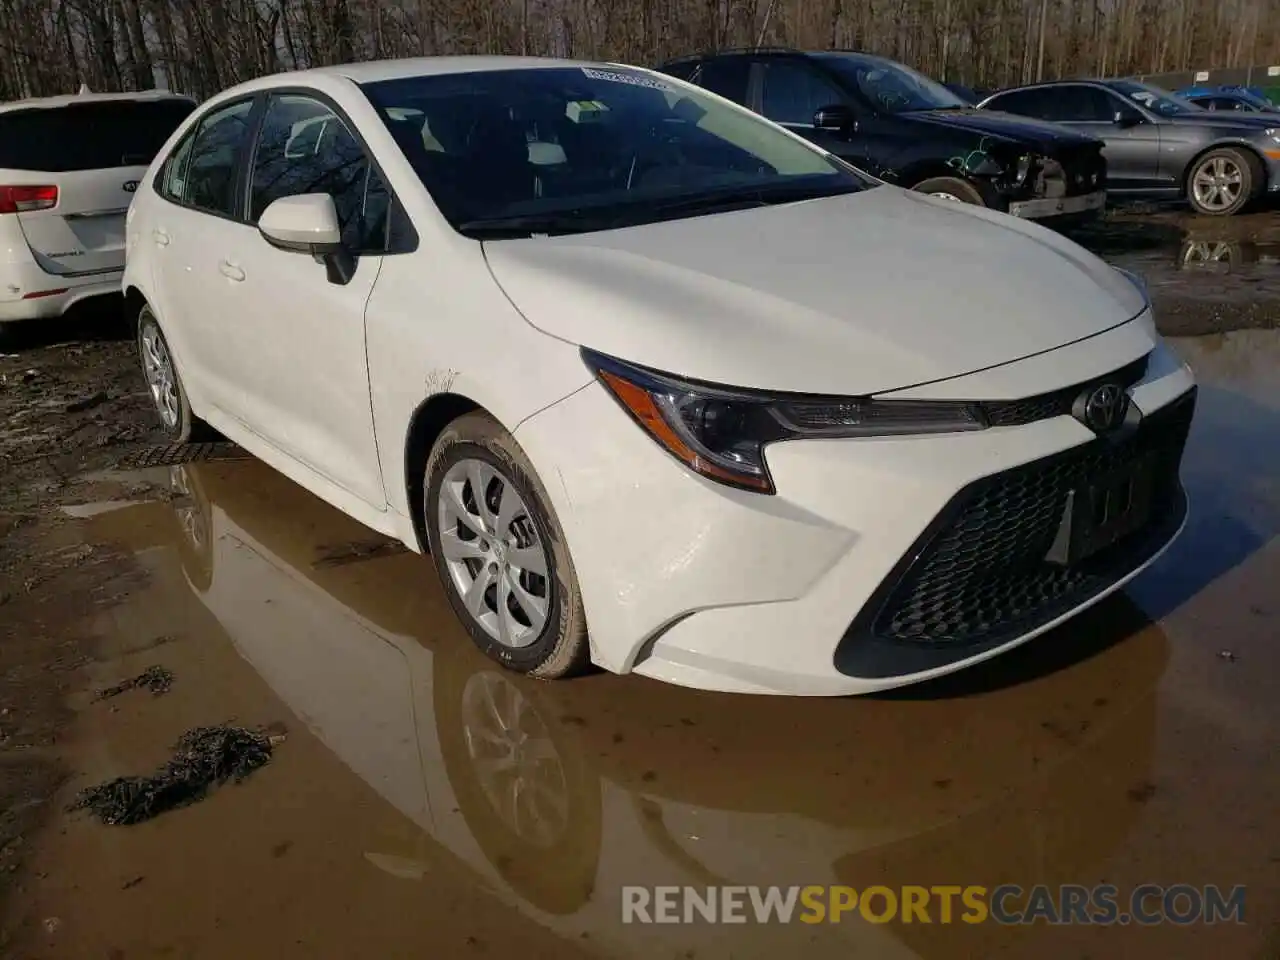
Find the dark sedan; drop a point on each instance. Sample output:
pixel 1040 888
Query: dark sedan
pixel 1159 145
pixel 904 128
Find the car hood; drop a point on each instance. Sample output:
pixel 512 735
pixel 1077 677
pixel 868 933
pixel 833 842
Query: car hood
pixel 1043 136
pixel 856 294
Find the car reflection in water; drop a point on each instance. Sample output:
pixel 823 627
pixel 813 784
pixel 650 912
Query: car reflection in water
pixel 556 796
pixel 1223 255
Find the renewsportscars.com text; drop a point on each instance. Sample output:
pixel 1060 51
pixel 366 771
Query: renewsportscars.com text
pixel 1147 904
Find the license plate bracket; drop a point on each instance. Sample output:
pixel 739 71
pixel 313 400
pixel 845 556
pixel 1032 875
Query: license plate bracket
pixel 1099 513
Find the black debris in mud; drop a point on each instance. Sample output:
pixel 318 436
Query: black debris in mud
pixel 205 757
pixel 157 679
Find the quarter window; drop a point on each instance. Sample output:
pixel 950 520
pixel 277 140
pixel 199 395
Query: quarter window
pixel 209 182
pixel 305 147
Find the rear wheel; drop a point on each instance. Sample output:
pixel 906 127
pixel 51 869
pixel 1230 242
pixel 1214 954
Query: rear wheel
pixel 1221 182
pixel 950 188
pixel 167 394
pixel 500 551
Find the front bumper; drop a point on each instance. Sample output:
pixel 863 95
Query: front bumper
pixel 1047 207
pixel 696 584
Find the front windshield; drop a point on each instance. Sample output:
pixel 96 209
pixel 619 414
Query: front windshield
pixel 892 87
pixel 1156 100
pixel 570 149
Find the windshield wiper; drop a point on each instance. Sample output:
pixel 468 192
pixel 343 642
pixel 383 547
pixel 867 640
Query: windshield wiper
pixel 743 198
pixel 530 224
pixel 635 213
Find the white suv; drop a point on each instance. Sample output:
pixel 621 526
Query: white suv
pixel 68 169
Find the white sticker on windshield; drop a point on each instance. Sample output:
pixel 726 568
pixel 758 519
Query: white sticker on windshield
pixel 617 76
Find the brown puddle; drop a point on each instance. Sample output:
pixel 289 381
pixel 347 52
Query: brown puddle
pixel 428 803
pixel 1205 274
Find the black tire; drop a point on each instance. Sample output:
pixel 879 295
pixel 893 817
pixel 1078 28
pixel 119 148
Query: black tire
pixel 560 648
pixel 1239 160
pixel 962 190
pixel 185 427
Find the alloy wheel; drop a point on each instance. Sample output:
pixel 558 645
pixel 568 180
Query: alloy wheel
pixel 1217 183
pixel 157 367
pixel 494 553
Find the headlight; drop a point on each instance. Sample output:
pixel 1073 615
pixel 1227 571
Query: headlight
pixel 721 432
pixel 1273 133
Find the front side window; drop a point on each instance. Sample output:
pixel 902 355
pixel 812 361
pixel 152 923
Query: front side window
pixel 570 149
pixel 891 87
pixel 1158 101
pixel 209 183
pixel 304 147
pixel 793 92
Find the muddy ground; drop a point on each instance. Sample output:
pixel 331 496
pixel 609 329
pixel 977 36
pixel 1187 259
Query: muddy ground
pixel 423 803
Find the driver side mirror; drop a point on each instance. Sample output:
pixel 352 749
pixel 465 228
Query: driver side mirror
pixel 1126 118
pixel 309 224
pixel 836 118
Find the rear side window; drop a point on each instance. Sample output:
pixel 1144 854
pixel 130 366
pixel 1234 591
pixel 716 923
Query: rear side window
pixel 726 76
pixel 1078 104
pixel 209 181
pixel 1027 103
pixel 89 136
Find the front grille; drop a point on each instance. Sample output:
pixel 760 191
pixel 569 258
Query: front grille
pixel 979 576
pixel 1056 403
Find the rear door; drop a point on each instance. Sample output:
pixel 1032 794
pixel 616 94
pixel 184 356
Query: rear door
pixel 88 158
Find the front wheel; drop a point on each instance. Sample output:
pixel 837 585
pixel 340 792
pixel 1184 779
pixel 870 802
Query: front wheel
pixel 950 188
pixel 500 551
pixel 1221 183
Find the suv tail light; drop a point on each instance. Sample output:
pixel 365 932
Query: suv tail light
pixel 22 198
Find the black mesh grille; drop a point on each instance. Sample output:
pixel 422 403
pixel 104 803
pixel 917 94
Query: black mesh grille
pixel 980 576
pixel 1056 403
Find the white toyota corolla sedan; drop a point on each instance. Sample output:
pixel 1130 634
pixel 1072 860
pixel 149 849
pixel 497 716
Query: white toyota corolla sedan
pixel 657 384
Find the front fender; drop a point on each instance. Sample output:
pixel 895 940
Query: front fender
pixel 469 341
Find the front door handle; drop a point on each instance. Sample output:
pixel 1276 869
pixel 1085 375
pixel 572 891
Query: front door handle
pixel 161 237
pixel 230 271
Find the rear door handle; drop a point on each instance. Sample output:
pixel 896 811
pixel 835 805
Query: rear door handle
pixel 161 237
pixel 230 271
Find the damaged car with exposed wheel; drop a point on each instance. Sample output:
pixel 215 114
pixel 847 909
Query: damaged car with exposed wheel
pixel 909 130
pixel 657 384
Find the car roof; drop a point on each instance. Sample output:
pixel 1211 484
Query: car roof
pixel 372 71
pixel 74 99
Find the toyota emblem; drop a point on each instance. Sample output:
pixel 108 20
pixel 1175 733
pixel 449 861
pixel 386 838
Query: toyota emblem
pixel 1102 408
pixel 130 186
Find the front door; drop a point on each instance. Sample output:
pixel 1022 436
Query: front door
pixel 305 379
pixel 1132 145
